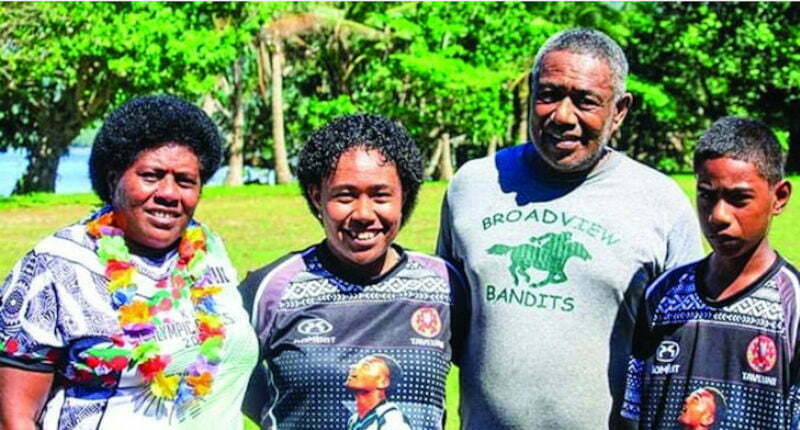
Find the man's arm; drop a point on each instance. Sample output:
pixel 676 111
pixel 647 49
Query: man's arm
pixel 684 243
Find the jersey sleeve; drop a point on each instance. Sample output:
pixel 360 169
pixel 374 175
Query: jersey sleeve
pixel 634 374
pixel 444 243
pixel 460 311
pixel 30 336
pixel 260 291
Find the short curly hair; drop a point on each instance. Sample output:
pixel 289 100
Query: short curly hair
pixel 742 139
pixel 147 122
pixel 320 155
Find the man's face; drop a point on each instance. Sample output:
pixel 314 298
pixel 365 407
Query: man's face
pixel 735 204
pixel 369 374
pixel 574 112
pixel 699 411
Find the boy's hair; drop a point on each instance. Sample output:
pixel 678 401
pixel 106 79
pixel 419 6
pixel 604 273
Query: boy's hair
pixel 745 140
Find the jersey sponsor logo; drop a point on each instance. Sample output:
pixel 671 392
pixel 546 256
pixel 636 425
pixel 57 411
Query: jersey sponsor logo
pixel 762 354
pixel 314 327
pixel 426 322
pixel 548 253
pixel 667 351
pixel 665 369
pixel 772 381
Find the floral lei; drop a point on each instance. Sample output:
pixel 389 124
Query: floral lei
pixel 139 318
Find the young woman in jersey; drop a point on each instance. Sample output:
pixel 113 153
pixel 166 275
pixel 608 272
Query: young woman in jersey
pixel 355 294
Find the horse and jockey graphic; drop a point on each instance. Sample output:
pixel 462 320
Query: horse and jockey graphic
pixel 549 253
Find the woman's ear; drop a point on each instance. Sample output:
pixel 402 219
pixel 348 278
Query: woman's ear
pixel 315 195
pixel 111 182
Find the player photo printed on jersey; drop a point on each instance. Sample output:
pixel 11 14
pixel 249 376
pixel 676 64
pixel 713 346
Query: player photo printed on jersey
pixel 371 381
pixel 704 409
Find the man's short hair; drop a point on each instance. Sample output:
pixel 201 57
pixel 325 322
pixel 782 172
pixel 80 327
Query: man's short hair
pixel 395 372
pixel 586 41
pixel 720 405
pixel 742 139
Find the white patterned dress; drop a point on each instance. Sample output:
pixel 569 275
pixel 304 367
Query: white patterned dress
pixel 54 306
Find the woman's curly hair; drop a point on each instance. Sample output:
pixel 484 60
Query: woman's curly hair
pixel 147 122
pixel 322 151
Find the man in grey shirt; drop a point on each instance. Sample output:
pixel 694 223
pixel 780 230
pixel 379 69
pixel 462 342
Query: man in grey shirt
pixel 558 238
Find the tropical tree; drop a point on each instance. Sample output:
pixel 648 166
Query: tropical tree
pixel 272 41
pixel 717 59
pixel 67 64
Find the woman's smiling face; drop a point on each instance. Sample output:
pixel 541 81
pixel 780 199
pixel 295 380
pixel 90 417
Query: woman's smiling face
pixel 361 204
pixel 156 196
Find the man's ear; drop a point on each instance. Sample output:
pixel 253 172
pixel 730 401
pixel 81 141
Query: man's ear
pixel 621 107
pixel 383 382
pixel 708 419
pixel 781 191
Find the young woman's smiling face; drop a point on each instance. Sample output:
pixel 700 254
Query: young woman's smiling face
pixel 361 206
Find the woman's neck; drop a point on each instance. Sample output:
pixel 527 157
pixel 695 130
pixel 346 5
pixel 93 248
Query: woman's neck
pixel 136 248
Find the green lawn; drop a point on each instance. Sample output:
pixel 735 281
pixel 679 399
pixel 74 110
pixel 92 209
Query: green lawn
pixel 260 224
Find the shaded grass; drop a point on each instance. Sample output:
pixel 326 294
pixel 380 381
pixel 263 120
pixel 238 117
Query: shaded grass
pixel 262 223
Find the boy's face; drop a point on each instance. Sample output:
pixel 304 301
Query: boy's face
pixel 735 204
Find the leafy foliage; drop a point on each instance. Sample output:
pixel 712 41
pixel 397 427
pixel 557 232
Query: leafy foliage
pixel 450 72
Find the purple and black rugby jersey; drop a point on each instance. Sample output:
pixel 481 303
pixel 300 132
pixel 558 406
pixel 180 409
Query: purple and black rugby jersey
pixel 741 354
pixel 314 320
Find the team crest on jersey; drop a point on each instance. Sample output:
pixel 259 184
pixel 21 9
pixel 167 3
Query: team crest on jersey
pixel 548 253
pixel 426 322
pixel 762 354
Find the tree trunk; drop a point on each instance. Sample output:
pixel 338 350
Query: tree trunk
pixel 40 175
pixel 236 159
pixel 282 172
pixel 793 158
pixel 44 155
pixel 492 146
pixel 434 160
pixel 445 161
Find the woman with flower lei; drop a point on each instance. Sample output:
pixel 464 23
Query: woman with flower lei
pixel 131 317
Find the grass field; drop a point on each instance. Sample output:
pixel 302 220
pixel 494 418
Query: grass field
pixel 260 224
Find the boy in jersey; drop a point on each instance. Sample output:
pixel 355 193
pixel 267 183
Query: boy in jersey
pixel 370 380
pixel 727 322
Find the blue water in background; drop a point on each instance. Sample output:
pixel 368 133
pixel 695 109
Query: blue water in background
pixel 73 171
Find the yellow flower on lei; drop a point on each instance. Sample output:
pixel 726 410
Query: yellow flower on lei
pixel 201 383
pixel 135 313
pixel 165 387
pixel 195 236
pixel 213 321
pixel 122 278
pixel 205 291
